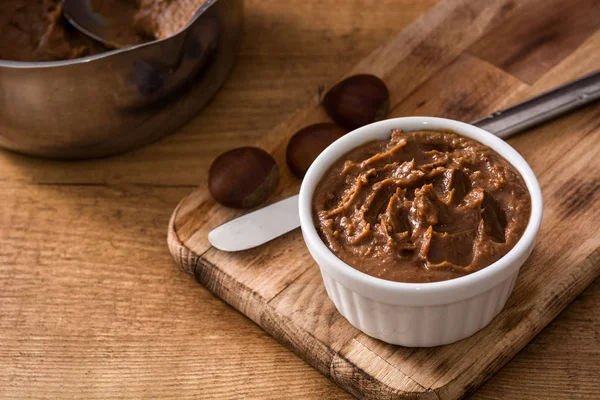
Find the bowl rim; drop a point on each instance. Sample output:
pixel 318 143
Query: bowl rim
pixel 417 293
pixel 109 53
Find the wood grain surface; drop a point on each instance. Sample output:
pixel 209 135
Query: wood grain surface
pixel 91 305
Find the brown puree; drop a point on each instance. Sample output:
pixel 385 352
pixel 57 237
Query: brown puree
pixel 424 206
pixel 35 30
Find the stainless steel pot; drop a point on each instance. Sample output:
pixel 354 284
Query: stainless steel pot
pixel 122 99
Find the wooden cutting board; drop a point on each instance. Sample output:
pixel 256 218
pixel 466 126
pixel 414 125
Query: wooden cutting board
pixel 461 60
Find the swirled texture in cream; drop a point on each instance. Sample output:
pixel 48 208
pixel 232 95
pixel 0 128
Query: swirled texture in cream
pixel 423 206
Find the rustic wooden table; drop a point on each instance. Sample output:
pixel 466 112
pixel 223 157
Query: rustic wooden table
pixel 91 304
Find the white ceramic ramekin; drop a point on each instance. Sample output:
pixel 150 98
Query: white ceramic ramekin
pixel 418 314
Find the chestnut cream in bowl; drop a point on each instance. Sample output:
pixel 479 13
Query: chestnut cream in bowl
pixel 419 226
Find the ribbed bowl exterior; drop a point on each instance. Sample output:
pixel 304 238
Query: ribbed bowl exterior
pixel 419 326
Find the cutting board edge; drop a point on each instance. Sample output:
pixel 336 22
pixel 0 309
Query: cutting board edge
pixel 341 370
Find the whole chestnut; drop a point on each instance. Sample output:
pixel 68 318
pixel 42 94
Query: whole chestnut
pixel 243 177
pixel 357 101
pixel 308 143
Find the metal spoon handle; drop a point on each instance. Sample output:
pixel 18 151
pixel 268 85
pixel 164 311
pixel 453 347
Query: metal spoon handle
pixel 543 107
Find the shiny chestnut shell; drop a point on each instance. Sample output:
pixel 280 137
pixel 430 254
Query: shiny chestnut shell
pixel 357 101
pixel 243 177
pixel 306 144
